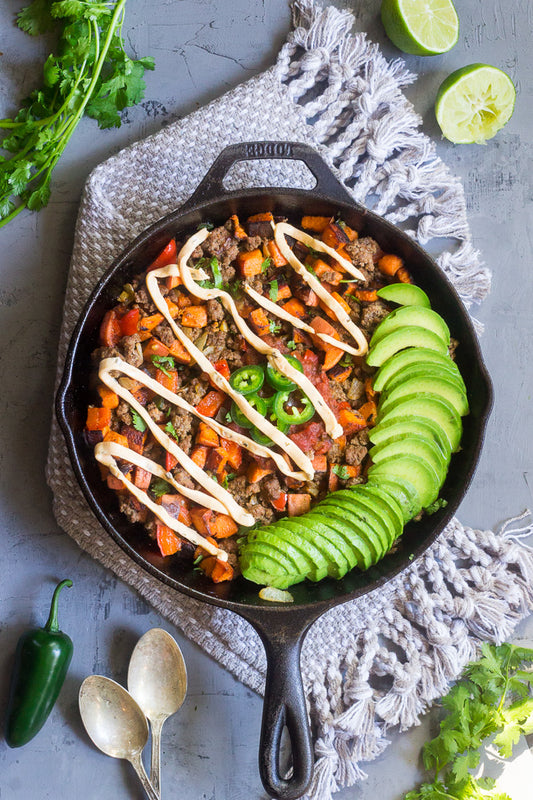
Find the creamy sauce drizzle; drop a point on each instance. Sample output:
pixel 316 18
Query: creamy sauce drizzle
pixel 280 312
pixel 280 231
pixel 107 453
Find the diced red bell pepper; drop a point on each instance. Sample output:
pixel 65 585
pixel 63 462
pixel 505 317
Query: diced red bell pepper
pixel 110 329
pixel 280 502
pixel 168 255
pixel 170 461
pixel 129 323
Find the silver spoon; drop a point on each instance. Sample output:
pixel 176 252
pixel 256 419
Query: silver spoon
pixel 157 679
pixel 115 723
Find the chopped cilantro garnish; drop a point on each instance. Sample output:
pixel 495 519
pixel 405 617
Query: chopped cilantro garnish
pixel 273 293
pixel 207 225
pixel 229 477
pixel 291 344
pixel 266 263
pixel 164 363
pixel 137 421
pixel 171 430
pixel 159 487
pixel 228 417
pixel 341 471
pixel 217 275
pixel 274 326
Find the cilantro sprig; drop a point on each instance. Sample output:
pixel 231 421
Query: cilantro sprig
pixel 90 73
pixel 492 700
pixel 164 363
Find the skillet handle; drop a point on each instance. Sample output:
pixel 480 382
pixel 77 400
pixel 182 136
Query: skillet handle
pixel 284 702
pixel 212 187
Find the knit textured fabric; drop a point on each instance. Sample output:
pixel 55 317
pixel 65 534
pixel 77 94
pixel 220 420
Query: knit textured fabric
pixel 335 91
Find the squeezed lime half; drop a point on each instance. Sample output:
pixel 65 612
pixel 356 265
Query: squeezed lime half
pixel 474 103
pixel 421 27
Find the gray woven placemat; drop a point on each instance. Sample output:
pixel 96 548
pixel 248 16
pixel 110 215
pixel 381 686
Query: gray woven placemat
pixel 335 91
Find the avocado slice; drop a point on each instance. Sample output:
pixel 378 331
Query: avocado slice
pixel 394 507
pixel 404 492
pixel 255 575
pixel 261 552
pixel 288 530
pixel 358 539
pixel 360 524
pixel 400 339
pixel 414 469
pixel 380 507
pixel 325 541
pixel 439 386
pixel 431 406
pixel 424 370
pixel 390 431
pixel 413 445
pixel 324 528
pixel 412 315
pixel 405 294
pixel 345 499
pixel 412 356
pixel 270 536
pixel 356 548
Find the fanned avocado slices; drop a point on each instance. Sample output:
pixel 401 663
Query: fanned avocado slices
pixel 414 445
pixel 394 429
pixel 432 407
pixel 412 315
pixel 433 385
pixel 414 469
pixel 413 356
pixel 400 339
pixel 405 294
pixel 422 399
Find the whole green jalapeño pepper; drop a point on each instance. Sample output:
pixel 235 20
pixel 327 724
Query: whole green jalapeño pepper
pixel 42 659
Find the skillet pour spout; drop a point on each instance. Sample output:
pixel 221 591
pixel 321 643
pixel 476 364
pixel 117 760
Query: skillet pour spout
pixel 282 628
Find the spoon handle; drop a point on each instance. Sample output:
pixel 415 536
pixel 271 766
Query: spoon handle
pixel 155 767
pixel 138 766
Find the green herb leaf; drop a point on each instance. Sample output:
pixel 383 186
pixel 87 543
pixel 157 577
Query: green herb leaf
pixel 137 421
pixel 273 293
pixel 291 344
pixel 341 471
pixel 36 18
pixel 159 487
pixel 171 430
pixel 164 363
pixel 266 263
pixel 491 700
pixel 89 73
pixel 274 326
pixel 207 225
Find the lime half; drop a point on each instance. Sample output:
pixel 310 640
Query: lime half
pixel 473 103
pixel 421 27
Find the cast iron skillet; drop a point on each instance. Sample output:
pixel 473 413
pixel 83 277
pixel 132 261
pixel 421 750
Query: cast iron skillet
pixel 282 628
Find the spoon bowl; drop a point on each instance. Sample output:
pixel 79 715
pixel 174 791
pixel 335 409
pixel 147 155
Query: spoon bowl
pixel 115 723
pixel 157 679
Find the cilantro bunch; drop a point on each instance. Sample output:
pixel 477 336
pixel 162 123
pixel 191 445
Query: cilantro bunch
pixel 90 73
pixel 493 700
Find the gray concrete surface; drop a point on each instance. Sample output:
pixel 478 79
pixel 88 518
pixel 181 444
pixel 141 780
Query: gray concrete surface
pixel 202 48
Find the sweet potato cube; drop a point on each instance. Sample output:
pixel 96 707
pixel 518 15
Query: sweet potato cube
pixel 260 322
pixel 207 436
pixel 298 504
pixel 194 317
pixel 167 540
pixel 250 263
